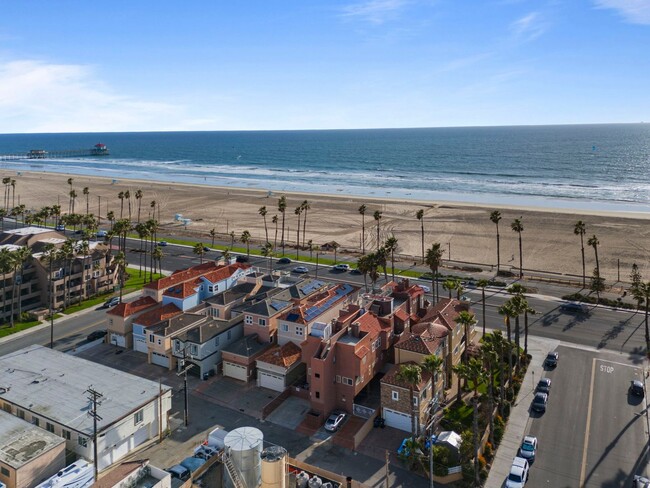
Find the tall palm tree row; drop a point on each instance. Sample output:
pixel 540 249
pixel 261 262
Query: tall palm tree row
pixel 433 260
pixel 580 229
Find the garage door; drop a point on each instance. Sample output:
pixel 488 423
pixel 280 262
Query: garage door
pixel 118 340
pixel 113 454
pixel 141 435
pixel 159 359
pixel 398 420
pixel 234 371
pixel 139 344
pixel 271 381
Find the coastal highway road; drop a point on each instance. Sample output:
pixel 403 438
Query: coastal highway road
pixel 593 433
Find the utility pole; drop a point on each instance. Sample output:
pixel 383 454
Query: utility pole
pixel 185 367
pixel 387 462
pixel 95 398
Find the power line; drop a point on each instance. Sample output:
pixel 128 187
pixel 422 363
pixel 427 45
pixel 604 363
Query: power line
pixel 94 397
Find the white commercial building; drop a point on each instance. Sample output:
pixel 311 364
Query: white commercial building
pixel 50 389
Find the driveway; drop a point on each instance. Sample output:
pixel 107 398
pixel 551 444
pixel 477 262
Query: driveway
pixel 290 413
pixel 247 398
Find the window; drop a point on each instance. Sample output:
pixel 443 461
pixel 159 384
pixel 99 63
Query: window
pixel 110 322
pixel 35 421
pixel 248 320
pixel 83 442
pixel 65 434
pixel 415 400
pixel 216 341
pixel 210 288
pixel 49 427
pixel 299 331
pixel 338 378
pixel 6 407
pixel 194 350
pixel 150 337
pixel 4 471
pixel 20 413
pixel 317 375
pixel 285 328
pixel 376 344
pixel 159 342
pixel 177 346
pixel 395 395
pixel 262 322
pixel 347 381
pixel 138 417
pixel 318 394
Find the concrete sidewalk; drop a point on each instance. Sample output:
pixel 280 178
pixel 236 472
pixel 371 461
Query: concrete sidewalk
pixel 518 423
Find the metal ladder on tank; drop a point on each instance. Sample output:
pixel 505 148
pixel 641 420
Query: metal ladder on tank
pixel 232 470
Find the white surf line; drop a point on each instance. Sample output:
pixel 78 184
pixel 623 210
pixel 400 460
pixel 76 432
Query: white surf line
pixel 583 468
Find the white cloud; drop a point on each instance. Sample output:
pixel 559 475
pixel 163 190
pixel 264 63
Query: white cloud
pixel 41 97
pixel 374 11
pixel 529 27
pixel 634 11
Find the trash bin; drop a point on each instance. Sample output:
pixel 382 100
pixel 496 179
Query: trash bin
pixel 206 376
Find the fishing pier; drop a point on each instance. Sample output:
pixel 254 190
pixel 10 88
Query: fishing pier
pixel 97 150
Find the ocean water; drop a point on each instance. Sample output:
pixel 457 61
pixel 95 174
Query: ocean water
pixel 580 166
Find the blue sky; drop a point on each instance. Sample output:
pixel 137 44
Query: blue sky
pixel 70 66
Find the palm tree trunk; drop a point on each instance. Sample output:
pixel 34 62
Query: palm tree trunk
pixel 498 250
pixel 363 235
pixel 584 272
pixel 483 302
pixel 521 264
pixel 526 332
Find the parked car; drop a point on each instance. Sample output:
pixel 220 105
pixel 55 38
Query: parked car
pixel 636 388
pixel 284 261
pixel 518 473
pixel 539 402
pixel 101 233
pixel 574 307
pixel 300 270
pixel 341 267
pixel 425 288
pixel 206 249
pixel 334 421
pixel 111 302
pixel 96 334
pixel 544 385
pixel 60 227
pixel 528 448
pixel 241 259
pixel 162 243
pixel 355 271
pixel 179 472
pixel 551 359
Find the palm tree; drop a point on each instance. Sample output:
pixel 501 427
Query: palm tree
pixel 420 216
pixel 127 195
pixel 232 239
pixel 50 254
pixel 298 211
pixel 120 195
pixel 391 248
pixel 110 215
pixel 225 254
pixel 377 217
pixel 508 312
pixel 246 239
pixel 519 306
pixel 13 192
pixel 86 192
pixel 495 216
pixel 67 254
pixel 305 207
pixel 274 220
pixel 411 374
pixel 490 357
pixel 213 234
pixel 199 250
pixel 120 263
pixel 518 227
pixel 580 229
pixel 433 259
pixel 6 265
pixel 22 255
pixel 282 208
pixel 594 242
pixel 267 251
pixel 84 248
pixel 3 216
pixel 433 365
pixel 335 246
pixel 482 284
pixel 5 181
pixel 73 199
pixel 527 311
pixel 362 211
pixel 14 263
pixel 450 284
pixel 138 197
pixel 156 256
pixel 262 211
pixel 363 265
pixel 466 320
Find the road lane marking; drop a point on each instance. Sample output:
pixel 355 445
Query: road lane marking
pixel 583 468
pixel 616 362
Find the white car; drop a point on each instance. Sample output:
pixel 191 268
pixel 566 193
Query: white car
pixel 341 267
pixel 528 448
pixel 518 473
pixel 334 422
pixel 425 288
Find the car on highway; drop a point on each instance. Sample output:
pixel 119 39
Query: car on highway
pixel 206 249
pixel 284 261
pixel 60 227
pixel 96 334
pixel 551 359
pixel 425 288
pixel 112 302
pixel 539 402
pixel 241 259
pixel 636 388
pixel 574 307
pixel 528 448
pixel 341 267
pixel 101 233
pixel 300 270
pixel 162 243
pixel 640 482
pixel 544 386
pixel 519 472
pixel 334 421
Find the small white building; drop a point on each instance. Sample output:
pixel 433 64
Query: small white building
pixel 50 389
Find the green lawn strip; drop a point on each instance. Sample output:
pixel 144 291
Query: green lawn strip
pixel 18 326
pixel 91 302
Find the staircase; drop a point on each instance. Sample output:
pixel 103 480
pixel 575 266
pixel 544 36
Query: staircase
pixel 232 471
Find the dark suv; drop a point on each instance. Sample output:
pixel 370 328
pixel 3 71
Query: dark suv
pixel 551 359
pixel 636 388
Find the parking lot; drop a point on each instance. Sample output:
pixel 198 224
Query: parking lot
pixel 593 433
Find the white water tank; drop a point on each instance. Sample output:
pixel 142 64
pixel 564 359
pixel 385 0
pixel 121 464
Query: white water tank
pixel 302 479
pixel 244 446
pixel 274 467
pixel 315 482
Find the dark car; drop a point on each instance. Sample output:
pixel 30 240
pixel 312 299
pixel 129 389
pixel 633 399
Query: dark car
pixel 162 243
pixel 241 259
pixel 95 335
pixel 544 385
pixel 206 249
pixel 539 402
pixel 179 472
pixel 636 388
pixel 574 307
pixel 355 271
pixel 552 359
pixel 284 261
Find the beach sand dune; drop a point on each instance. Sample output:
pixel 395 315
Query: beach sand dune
pixel 464 231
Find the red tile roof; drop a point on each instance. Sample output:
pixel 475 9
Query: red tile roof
pixel 361 352
pixel 391 378
pixel 126 309
pixel 225 272
pixel 445 312
pixel 284 356
pixel 402 314
pixel 182 290
pixel 194 272
pixel 160 313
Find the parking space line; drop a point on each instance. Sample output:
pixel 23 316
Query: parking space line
pixel 583 468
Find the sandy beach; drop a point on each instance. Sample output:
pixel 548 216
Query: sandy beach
pixel 464 231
